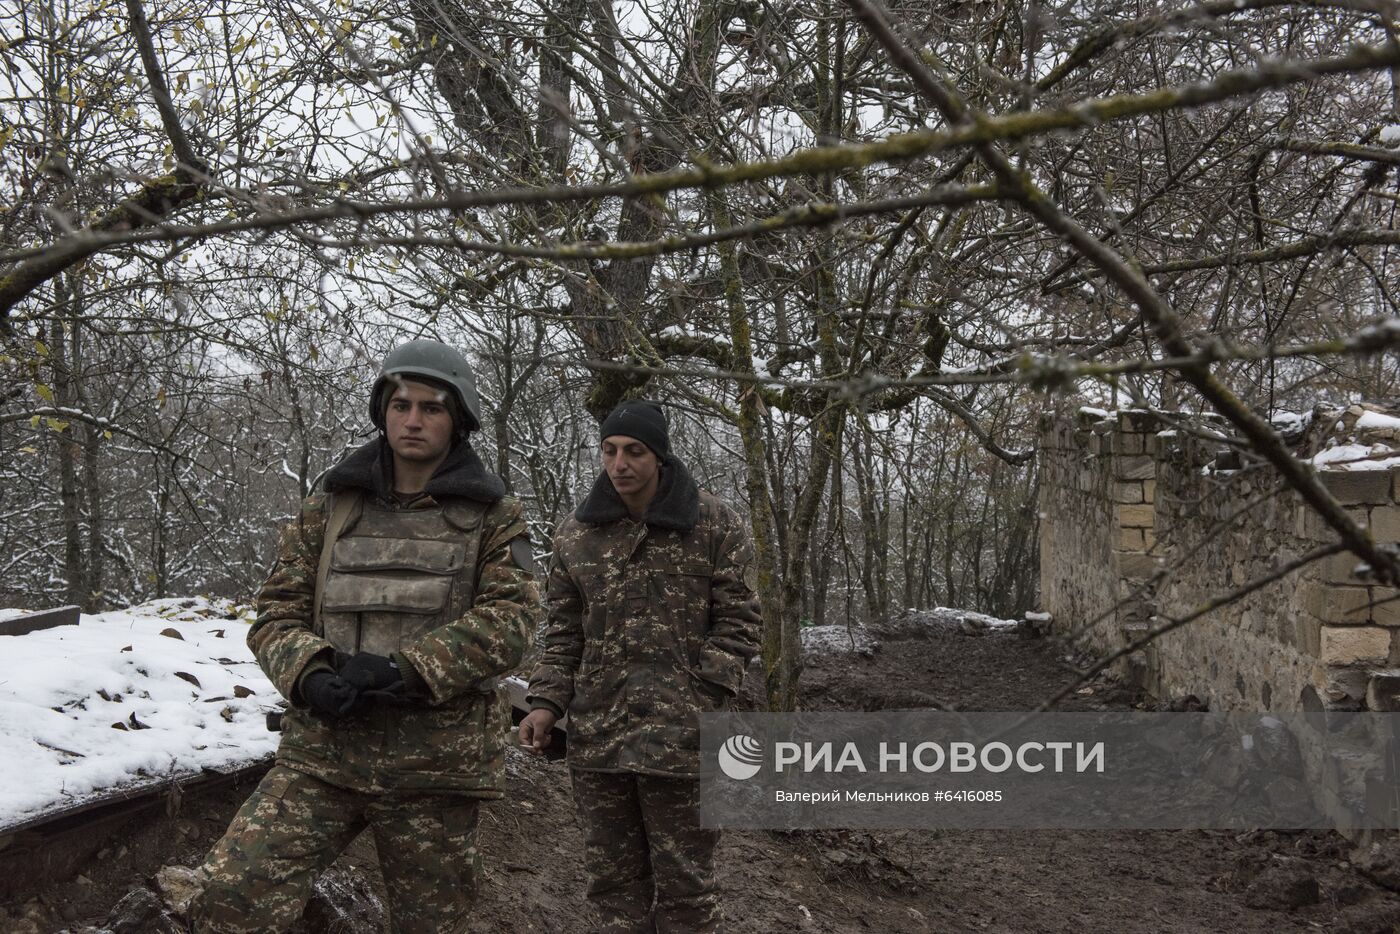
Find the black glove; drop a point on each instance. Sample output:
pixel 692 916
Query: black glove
pixel 368 672
pixel 329 693
pixel 374 676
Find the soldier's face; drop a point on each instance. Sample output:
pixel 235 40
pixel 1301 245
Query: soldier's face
pixel 631 466
pixel 418 422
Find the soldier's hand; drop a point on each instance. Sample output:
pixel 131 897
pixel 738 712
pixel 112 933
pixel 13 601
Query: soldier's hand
pixel 329 693
pixel 534 729
pixel 370 672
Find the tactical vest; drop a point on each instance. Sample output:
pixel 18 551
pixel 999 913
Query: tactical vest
pixel 388 576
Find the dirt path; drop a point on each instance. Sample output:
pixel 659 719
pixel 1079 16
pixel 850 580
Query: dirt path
pixel 855 881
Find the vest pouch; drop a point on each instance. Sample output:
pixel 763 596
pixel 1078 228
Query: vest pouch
pixel 382 593
pixel 354 555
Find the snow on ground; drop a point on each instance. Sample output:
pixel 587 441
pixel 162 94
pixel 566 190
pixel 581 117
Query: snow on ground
pixel 119 701
pixel 838 639
pixel 908 624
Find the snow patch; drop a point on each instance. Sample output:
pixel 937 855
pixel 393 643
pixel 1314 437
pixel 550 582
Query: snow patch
pixel 127 698
pixel 839 639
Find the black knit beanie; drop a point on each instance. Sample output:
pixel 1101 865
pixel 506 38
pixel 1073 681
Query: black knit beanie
pixel 640 419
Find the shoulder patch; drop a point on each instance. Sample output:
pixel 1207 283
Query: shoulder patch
pixel 523 554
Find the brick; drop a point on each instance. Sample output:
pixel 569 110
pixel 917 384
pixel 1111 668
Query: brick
pixel 1142 422
pixel 1128 442
pixel 1128 491
pixel 1130 540
pixel 1354 645
pixel 1142 516
pixel 1385 606
pixel 1335 604
pixel 1337 569
pixel 1135 566
pixel 1135 467
pixel 1383 690
pixel 1315 528
pixel 1385 523
pixel 1358 486
pixel 1307 634
pixel 1340 688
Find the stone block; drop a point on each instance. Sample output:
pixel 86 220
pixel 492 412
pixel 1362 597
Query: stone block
pixel 1338 569
pixel 1128 442
pixel 1340 688
pixel 1383 690
pixel 1358 486
pixel 1135 467
pixel 1354 645
pixel 1149 491
pixel 1128 491
pixel 1149 538
pixel 1134 565
pixel 1141 516
pixel 1334 603
pixel 1307 634
pixel 1314 528
pixel 1138 421
pixel 1096 445
pixel 1385 606
pixel 1130 540
pixel 1385 523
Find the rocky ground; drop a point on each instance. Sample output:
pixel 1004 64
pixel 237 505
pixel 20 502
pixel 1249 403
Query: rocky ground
pixel 837 881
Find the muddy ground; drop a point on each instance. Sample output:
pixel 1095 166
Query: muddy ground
pixel 851 881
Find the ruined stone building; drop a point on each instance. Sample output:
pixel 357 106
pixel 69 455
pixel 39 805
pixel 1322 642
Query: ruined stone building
pixel 1145 516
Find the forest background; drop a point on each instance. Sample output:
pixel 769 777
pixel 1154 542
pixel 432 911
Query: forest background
pixel 857 250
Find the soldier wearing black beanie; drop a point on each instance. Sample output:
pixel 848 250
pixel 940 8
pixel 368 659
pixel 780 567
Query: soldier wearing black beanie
pixel 668 631
pixel 640 419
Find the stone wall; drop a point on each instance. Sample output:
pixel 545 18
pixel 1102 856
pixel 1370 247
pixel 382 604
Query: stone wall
pixel 1147 516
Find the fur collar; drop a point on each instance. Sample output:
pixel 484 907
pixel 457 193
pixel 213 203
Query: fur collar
pixel 676 505
pixel 371 468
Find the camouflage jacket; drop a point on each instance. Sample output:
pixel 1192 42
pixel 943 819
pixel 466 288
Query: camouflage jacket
pixel 650 623
pixel 448 737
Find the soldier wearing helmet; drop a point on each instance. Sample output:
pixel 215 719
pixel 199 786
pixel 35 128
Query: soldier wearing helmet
pixel 399 596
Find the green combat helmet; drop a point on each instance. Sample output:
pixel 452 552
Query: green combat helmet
pixel 432 360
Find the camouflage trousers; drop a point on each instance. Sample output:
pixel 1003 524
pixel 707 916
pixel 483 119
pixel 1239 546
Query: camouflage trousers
pixel 651 867
pixel 293 826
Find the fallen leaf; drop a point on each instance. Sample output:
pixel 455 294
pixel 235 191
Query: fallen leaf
pixel 227 714
pixel 172 633
pixel 120 726
pixel 216 633
pixel 126 648
pixel 240 691
pixel 102 693
pixel 186 676
pixel 134 723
